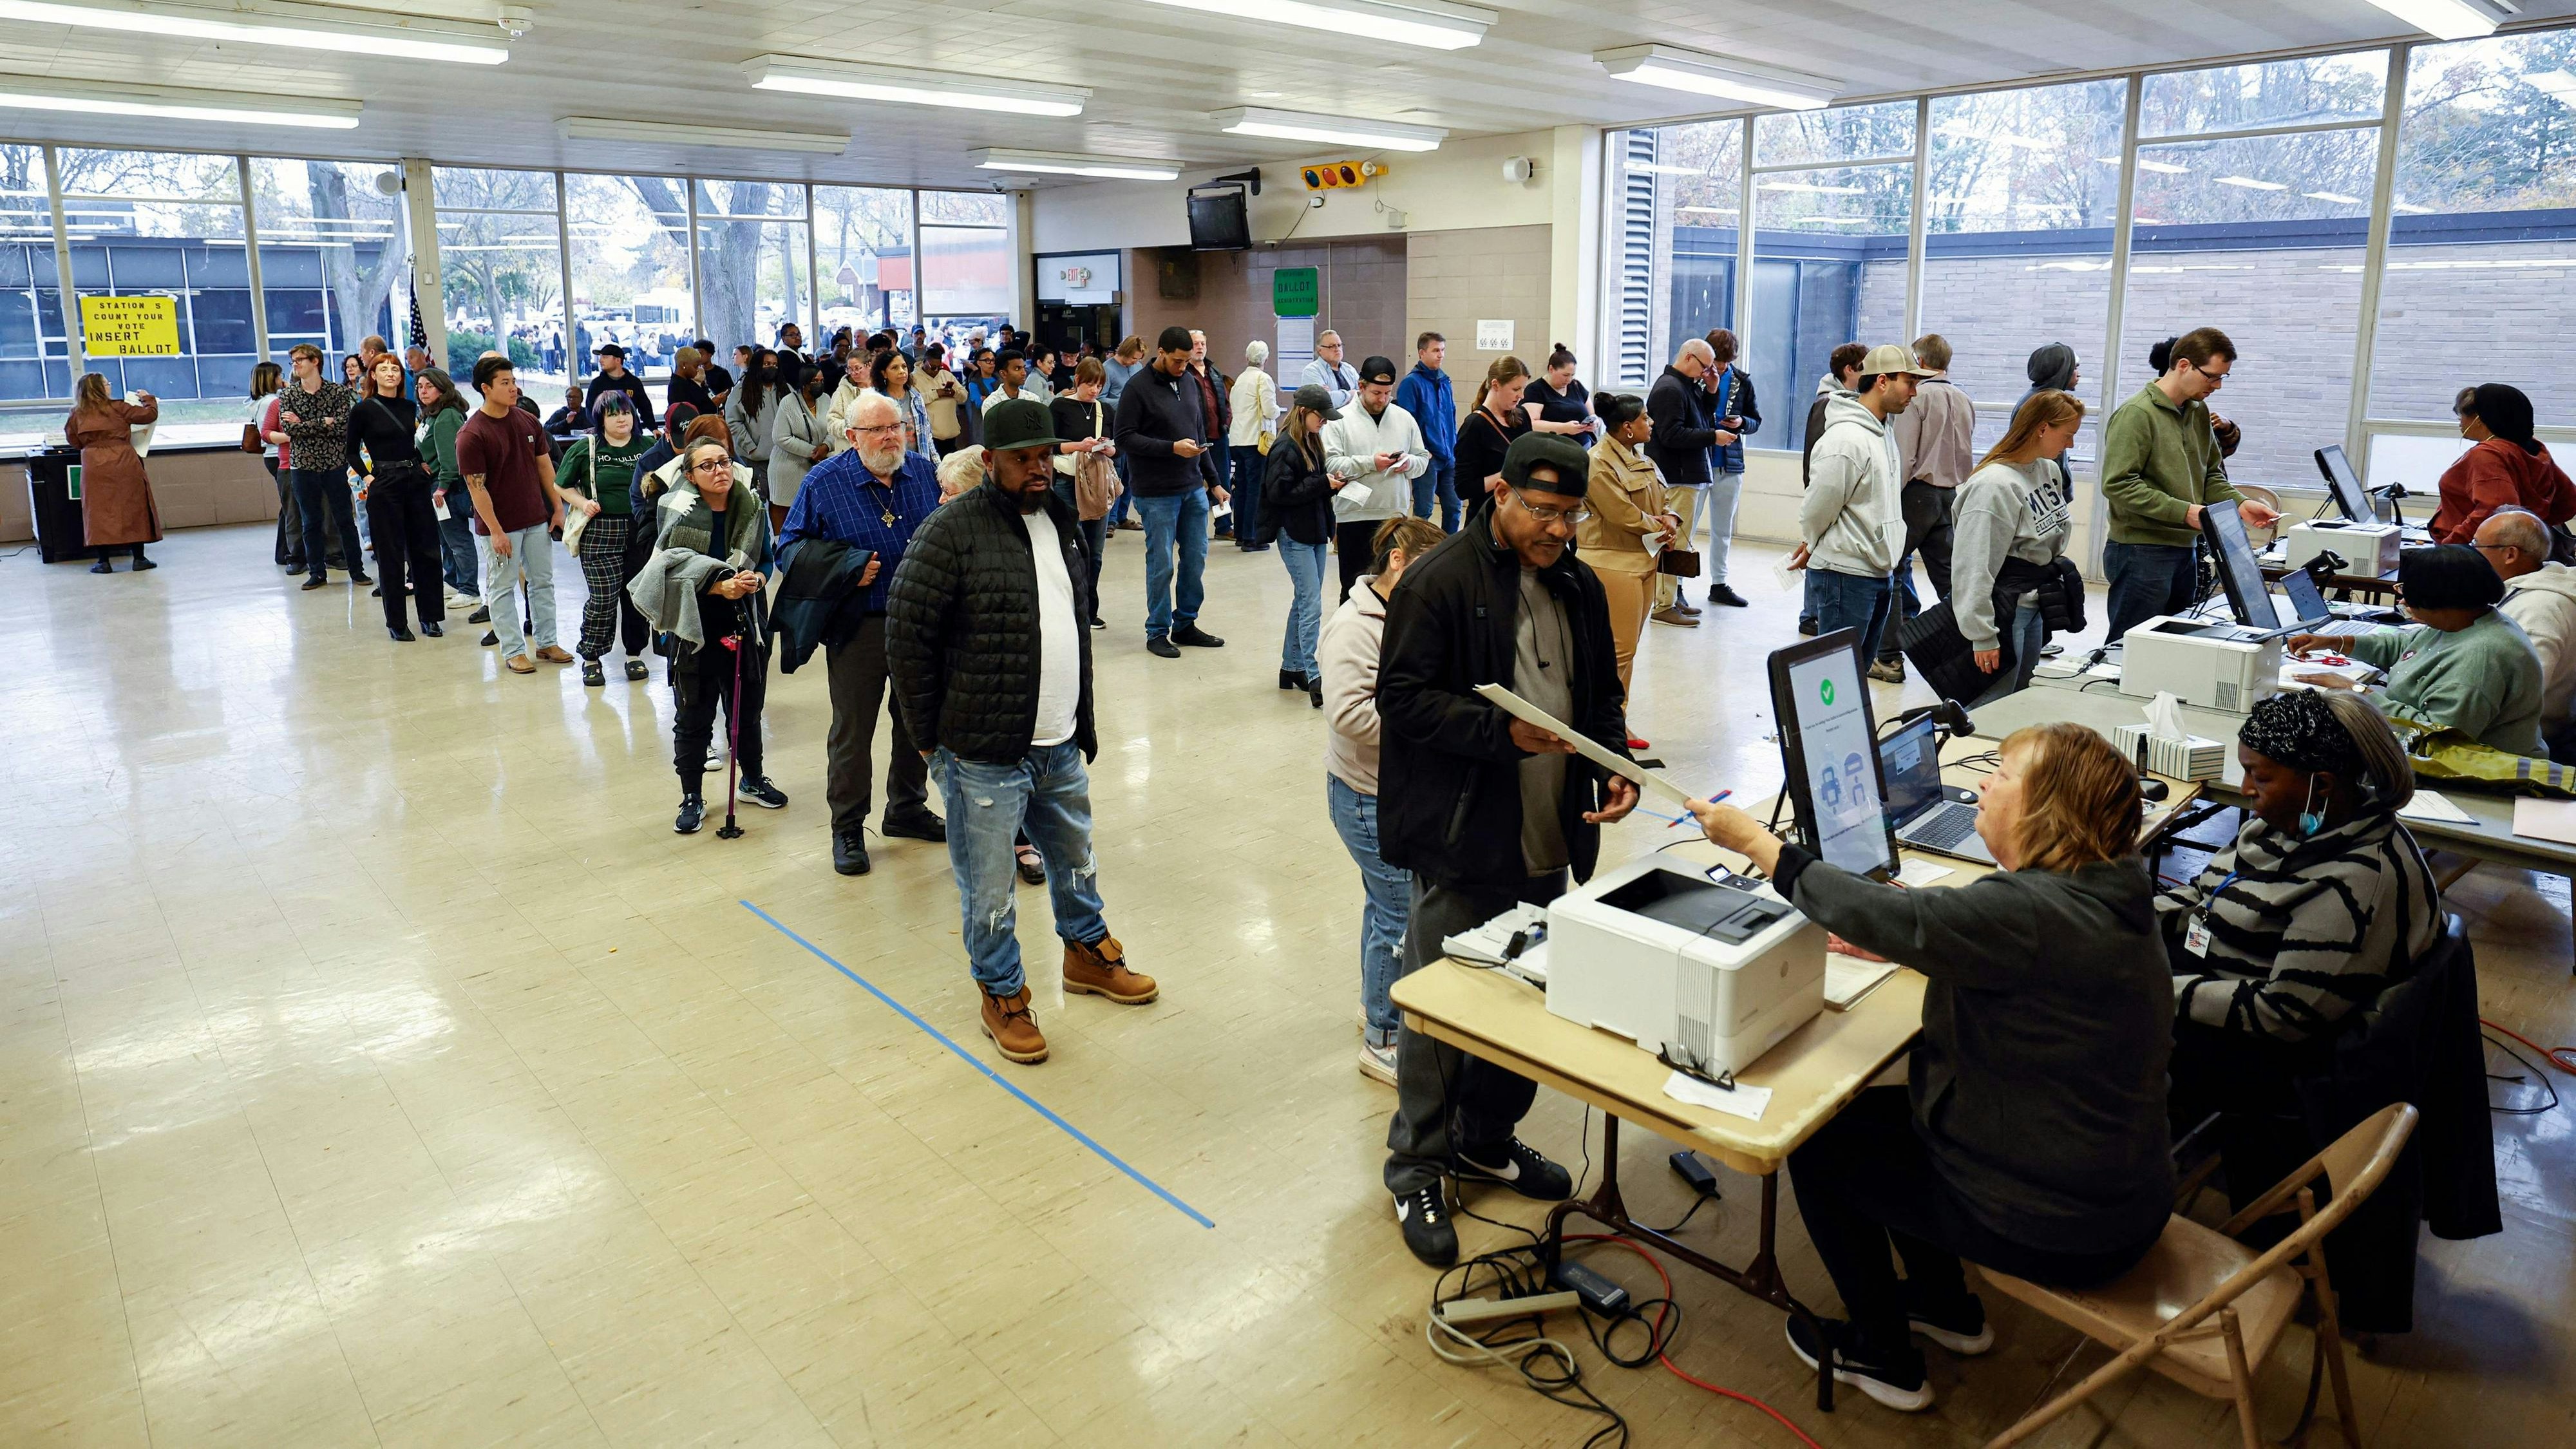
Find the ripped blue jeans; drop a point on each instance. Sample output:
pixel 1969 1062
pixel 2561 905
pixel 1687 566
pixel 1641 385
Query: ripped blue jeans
pixel 1047 793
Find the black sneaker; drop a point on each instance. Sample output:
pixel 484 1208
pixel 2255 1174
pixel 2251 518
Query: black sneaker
pixel 758 790
pixel 1424 1215
pixel 363 579
pixel 849 853
pixel 311 584
pixel 1098 622
pixel 489 639
pixel 1518 1166
pixel 918 825
pixel 1960 1327
pixel 479 616
pixel 693 813
pixel 1807 627
pixel 1196 637
pixel 1721 594
pixel 1156 644
pixel 1894 1379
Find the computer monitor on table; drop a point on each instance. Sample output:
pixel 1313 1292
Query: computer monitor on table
pixel 2350 498
pixel 1829 754
pixel 2248 597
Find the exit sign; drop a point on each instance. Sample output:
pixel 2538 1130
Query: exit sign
pixel 1296 292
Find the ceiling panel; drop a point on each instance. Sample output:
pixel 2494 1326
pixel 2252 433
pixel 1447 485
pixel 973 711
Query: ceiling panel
pixel 1155 73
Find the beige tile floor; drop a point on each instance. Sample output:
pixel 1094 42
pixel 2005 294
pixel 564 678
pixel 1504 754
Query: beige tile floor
pixel 377 1067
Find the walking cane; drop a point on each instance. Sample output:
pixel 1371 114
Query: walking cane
pixel 733 740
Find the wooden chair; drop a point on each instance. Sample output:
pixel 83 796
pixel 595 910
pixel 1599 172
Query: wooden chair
pixel 2159 1315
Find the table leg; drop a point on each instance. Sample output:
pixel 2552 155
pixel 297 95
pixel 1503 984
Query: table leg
pixel 1759 1278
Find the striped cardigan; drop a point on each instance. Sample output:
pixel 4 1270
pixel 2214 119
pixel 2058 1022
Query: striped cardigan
pixel 2301 932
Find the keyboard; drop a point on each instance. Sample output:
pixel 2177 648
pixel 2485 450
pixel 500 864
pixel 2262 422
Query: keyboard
pixel 1943 829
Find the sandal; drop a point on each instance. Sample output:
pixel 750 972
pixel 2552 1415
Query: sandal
pixel 1032 865
pixel 592 674
pixel 635 669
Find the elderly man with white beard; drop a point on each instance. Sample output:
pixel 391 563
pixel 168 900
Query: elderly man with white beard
pixel 870 496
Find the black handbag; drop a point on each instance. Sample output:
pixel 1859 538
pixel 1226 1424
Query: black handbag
pixel 1932 643
pixel 1681 563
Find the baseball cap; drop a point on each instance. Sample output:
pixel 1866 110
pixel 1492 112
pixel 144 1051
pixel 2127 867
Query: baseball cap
pixel 1549 450
pixel 1377 369
pixel 1019 423
pixel 1319 398
pixel 610 349
pixel 1888 357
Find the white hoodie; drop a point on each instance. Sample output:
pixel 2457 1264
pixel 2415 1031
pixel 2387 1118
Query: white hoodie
pixel 1851 520
pixel 2544 604
pixel 1352 443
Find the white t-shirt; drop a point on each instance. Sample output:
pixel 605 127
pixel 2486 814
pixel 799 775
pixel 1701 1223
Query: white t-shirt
pixel 1059 647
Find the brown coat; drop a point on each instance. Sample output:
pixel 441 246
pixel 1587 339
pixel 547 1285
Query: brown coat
pixel 1626 493
pixel 116 497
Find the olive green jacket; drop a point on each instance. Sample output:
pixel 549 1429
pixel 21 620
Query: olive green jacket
pixel 2158 459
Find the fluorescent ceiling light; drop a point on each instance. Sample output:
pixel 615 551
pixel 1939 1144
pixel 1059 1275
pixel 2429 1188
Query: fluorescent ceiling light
pixel 294 26
pixel 911 87
pixel 1812 187
pixel 2168 168
pixel 673 133
pixel 2250 184
pixel 2449 19
pixel 2557 84
pixel 1697 71
pixel 1337 130
pixel 38 93
pixel 2337 197
pixel 1435 24
pixel 1710 210
pixel 1056 163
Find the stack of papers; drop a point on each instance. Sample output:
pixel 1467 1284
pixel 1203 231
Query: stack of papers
pixel 2433 805
pixel 1490 944
pixel 1848 979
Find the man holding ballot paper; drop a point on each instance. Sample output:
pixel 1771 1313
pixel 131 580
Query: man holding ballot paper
pixel 1487 809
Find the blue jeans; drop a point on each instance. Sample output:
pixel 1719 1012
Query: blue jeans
pixel 1306 566
pixel 1224 452
pixel 322 501
pixel 459 559
pixel 532 557
pixel 1047 794
pixel 2148 579
pixel 1847 601
pixel 1245 485
pixel 1439 485
pixel 1807 596
pixel 1390 905
pixel 2028 631
pixel 1177 519
pixel 1126 499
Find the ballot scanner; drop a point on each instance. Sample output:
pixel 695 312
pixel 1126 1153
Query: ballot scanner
pixel 2212 664
pixel 2368 549
pixel 1709 969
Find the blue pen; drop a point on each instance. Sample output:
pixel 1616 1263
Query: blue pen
pixel 1684 819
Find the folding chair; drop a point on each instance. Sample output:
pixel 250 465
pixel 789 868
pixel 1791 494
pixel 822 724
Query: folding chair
pixel 2251 1297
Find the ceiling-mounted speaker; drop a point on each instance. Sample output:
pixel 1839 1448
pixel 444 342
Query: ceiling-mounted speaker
pixel 389 183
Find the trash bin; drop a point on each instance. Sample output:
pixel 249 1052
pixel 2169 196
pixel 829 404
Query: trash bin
pixel 53 497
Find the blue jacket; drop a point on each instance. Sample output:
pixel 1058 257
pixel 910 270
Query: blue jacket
pixel 841 500
pixel 1425 393
pixel 1733 398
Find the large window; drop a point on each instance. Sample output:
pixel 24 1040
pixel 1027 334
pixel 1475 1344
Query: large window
pixel 333 263
pixel 34 356
pixel 165 225
pixel 863 246
pixel 501 267
pixel 1829 242
pixel 628 237
pixel 966 267
pixel 753 265
pixel 1680 194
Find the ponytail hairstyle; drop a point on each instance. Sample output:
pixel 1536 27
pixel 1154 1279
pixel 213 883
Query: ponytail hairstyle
pixel 1416 536
pixel 1505 370
pixel 2044 409
pixel 1617 410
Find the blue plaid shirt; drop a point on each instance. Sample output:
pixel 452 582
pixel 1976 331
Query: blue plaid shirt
pixel 842 501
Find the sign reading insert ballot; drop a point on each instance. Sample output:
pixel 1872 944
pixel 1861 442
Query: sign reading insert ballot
pixel 130 326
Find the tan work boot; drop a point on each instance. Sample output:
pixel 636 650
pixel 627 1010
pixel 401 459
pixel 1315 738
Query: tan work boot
pixel 554 654
pixel 520 664
pixel 1102 971
pixel 1013 1027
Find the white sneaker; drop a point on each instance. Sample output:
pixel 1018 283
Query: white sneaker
pixel 1378 1061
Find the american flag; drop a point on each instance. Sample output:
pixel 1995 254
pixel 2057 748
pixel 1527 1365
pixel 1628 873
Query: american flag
pixel 419 329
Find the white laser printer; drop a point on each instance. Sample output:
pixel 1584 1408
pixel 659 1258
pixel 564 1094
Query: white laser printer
pixel 1658 951
pixel 2200 662
pixel 2368 549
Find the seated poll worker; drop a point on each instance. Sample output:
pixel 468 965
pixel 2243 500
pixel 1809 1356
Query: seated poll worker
pixel 2462 665
pixel 2321 901
pixel 2032 1137
pixel 1484 808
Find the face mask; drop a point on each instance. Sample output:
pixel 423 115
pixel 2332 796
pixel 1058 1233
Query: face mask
pixel 2310 819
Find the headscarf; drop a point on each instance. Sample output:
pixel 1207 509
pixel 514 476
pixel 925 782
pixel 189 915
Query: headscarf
pixel 2297 729
pixel 2052 368
pixel 2448 576
pixel 2507 413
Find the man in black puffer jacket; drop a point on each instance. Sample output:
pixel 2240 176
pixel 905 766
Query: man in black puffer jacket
pixel 1484 808
pixel 989 641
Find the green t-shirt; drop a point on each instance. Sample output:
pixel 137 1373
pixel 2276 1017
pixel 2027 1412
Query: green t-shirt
pixel 604 470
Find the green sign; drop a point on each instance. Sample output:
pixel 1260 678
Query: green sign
pixel 1296 292
pixel 73 491
pixel 1825 691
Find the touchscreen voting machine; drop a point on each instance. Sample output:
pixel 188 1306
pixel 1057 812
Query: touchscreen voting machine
pixel 1829 754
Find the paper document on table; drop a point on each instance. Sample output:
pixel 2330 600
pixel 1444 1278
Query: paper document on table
pixel 1741 1100
pixel 2542 819
pixel 1848 979
pixel 2434 805
pixel 1920 872
pixel 1615 763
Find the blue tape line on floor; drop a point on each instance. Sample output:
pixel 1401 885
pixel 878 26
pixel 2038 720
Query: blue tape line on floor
pixel 970 1059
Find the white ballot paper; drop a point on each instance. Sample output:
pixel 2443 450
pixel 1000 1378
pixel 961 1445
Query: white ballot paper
pixel 1612 761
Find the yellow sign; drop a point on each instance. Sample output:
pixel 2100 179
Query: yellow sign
pixel 130 326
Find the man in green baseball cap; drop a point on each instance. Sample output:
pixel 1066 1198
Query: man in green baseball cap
pixel 989 640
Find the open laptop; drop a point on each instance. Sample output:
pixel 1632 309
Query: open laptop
pixel 1926 818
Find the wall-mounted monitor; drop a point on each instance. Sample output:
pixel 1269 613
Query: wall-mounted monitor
pixel 1220 219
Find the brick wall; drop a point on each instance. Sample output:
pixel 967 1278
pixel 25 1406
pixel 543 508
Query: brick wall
pixel 1363 285
pixel 1457 278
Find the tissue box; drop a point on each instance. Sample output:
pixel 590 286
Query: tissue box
pixel 2192 759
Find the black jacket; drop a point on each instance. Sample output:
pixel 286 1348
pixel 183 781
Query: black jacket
pixel 2039 1083
pixel 1296 493
pixel 1682 437
pixel 962 628
pixel 1154 412
pixel 819 599
pixel 631 385
pixel 1449 795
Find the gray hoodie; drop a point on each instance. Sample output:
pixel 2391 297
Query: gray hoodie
pixel 2004 510
pixel 1851 519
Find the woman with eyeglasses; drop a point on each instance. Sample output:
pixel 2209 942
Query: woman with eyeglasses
pixel 708 512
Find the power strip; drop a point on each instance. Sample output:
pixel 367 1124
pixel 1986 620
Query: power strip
pixel 1461 1312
